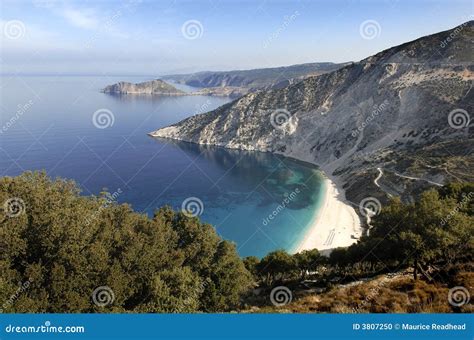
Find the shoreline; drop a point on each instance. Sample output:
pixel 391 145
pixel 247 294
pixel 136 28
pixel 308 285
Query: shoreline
pixel 335 224
pixel 332 225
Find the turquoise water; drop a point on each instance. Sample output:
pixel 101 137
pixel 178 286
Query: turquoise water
pixel 47 123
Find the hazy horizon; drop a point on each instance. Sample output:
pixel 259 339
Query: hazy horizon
pixel 134 37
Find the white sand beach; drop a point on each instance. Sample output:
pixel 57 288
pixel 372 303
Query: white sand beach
pixel 335 224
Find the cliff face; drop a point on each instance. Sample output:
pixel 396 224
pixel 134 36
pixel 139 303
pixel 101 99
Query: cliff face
pixel 386 111
pixel 157 87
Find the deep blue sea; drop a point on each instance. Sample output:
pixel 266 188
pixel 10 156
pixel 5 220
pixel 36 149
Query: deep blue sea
pixel 48 123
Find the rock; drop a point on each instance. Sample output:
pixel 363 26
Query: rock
pixel 155 87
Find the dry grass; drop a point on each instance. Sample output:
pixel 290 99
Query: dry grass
pixel 399 294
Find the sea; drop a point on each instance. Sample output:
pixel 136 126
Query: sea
pixel 67 127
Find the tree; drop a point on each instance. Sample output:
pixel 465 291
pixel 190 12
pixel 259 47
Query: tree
pixel 307 260
pixel 227 279
pixel 277 265
pixel 251 263
pixel 62 252
pixel 438 228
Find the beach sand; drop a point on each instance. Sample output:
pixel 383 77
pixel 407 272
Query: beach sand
pixel 335 224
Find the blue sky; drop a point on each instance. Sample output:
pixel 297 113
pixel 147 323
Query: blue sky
pixel 159 37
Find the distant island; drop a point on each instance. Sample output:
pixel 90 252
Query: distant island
pixel 233 84
pixel 155 87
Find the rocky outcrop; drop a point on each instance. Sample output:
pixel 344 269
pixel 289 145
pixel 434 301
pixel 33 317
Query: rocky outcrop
pixel 155 87
pixel 385 111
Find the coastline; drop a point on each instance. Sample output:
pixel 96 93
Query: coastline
pixel 335 224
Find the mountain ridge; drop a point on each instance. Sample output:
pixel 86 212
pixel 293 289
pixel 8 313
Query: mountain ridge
pixel 253 78
pixel 232 84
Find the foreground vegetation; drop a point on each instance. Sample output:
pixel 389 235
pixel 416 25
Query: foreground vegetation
pixel 385 293
pixel 62 252
pixel 85 254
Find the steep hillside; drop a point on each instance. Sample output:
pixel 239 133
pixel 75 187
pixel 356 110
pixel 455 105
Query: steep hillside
pixel 404 110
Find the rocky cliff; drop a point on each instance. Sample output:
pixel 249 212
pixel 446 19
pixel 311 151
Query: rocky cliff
pixel 390 124
pixel 156 87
